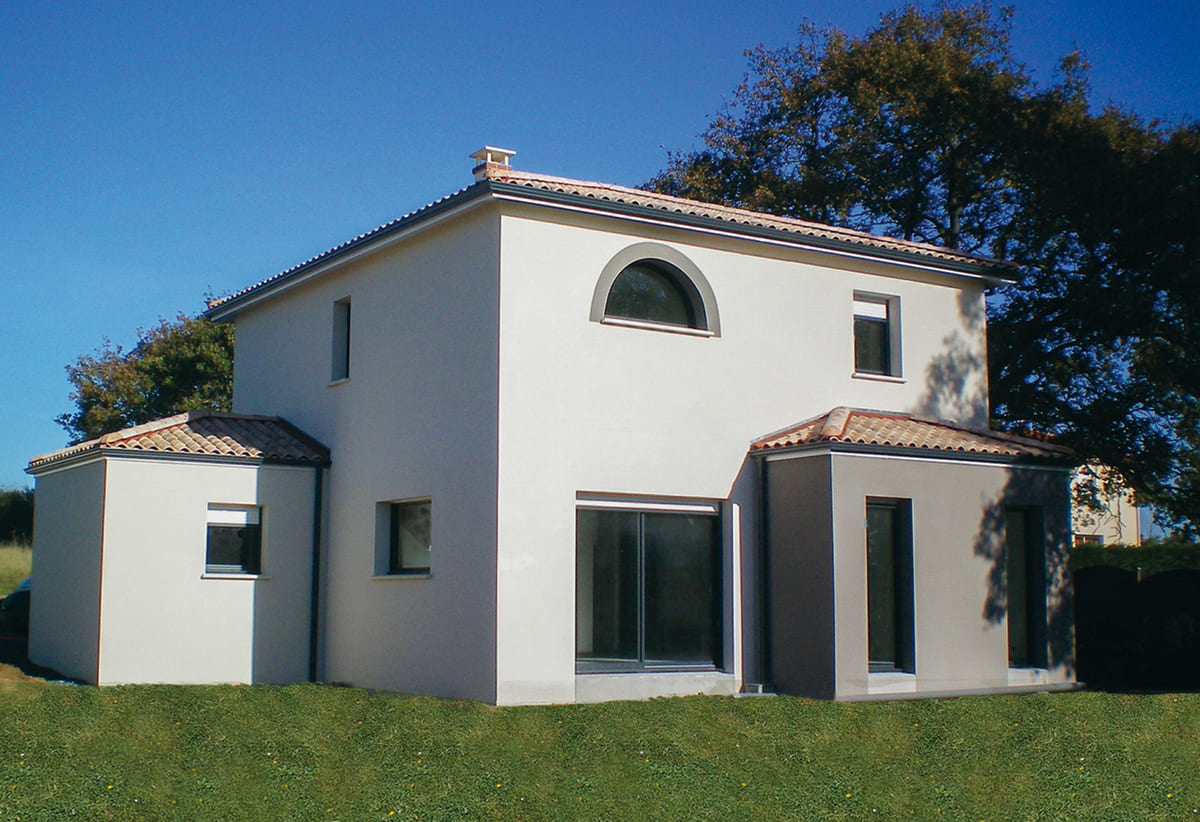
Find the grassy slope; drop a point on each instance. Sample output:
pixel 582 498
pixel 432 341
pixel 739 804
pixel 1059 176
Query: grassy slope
pixel 15 561
pixel 313 752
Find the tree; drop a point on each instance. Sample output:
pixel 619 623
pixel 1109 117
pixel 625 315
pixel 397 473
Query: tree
pixel 16 516
pixel 183 365
pixel 928 129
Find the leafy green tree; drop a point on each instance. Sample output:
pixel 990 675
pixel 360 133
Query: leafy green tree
pixel 16 516
pixel 928 129
pixel 181 365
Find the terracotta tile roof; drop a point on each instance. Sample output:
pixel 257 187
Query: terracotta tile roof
pixel 728 214
pixel 208 434
pixel 605 194
pixel 877 428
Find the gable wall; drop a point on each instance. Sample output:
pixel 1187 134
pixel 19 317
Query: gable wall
pixel 415 419
pixel 588 407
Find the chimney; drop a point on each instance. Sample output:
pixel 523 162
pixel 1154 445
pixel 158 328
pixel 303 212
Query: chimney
pixel 489 159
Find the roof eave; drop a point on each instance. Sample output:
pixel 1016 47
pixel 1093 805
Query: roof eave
pixel 225 309
pixel 1064 461
pixel 991 271
pixel 93 454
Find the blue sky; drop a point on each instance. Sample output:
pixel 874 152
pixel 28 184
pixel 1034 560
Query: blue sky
pixel 153 153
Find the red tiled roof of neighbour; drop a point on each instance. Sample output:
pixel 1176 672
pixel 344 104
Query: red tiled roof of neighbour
pixel 876 428
pixel 207 434
pixel 729 214
pixel 497 176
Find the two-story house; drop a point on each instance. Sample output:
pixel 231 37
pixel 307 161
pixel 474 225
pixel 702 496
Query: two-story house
pixel 554 441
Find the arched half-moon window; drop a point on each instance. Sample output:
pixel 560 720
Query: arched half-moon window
pixel 651 285
pixel 655 292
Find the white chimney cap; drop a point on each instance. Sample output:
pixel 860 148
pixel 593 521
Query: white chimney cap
pixel 491 154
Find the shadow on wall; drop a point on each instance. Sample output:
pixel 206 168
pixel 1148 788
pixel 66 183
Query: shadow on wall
pixel 956 389
pixel 1034 501
pixel 956 379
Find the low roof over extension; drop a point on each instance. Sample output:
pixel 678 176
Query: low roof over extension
pixel 852 429
pixel 200 434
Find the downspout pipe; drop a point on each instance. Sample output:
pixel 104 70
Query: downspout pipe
pixel 314 605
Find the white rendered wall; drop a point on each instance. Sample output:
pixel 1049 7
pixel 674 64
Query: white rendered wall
pixel 589 407
pixel 67 537
pixel 416 418
pixel 960 630
pixel 161 619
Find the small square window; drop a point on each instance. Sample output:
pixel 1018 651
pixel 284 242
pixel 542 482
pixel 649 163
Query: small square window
pixel 409 537
pixel 876 335
pixel 234 540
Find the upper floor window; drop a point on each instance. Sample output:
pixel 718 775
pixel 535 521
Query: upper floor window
pixel 655 292
pixel 876 335
pixel 340 361
pixel 651 285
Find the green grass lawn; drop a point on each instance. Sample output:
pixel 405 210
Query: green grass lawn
pixel 15 561
pixel 324 753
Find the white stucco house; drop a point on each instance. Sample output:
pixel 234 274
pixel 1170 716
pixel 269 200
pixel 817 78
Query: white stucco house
pixel 547 440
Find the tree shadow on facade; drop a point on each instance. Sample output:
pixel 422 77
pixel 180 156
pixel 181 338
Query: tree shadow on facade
pixel 1036 494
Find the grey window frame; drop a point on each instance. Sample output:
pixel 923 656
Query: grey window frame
pixel 641 664
pixel 248 533
pixel 887 331
pixel 339 367
pixel 389 553
pixel 1025 587
pixel 894 614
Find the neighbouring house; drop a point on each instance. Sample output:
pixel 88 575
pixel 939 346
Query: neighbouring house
pixel 1100 513
pixel 547 440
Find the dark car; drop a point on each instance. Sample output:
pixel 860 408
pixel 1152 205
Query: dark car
pixel 14 608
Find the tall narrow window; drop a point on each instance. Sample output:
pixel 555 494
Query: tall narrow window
pixel 1025 578
pixel 889 585
pixel 234 540
pixel 648 588
pixel 340 363
pixel 876 342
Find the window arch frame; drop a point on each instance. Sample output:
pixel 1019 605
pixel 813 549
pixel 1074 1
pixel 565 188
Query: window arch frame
pixel 651 253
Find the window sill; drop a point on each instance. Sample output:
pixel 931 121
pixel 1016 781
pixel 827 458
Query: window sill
pixel 860 375
pixel 218 575
pixel 671 329
pixel 380 577
pixel 336 383
pixel 1028 676
pixel 891 683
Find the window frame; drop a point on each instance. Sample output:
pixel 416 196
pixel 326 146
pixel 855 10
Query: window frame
pixel 877 310
pixel 688 272
pixel 643 661
pixel 683 291
pixel 339 363
pixel 225 517
pixel 1027 642
pixel 388 549
pixel 899 613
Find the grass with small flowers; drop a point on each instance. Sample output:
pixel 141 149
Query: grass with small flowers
pixel 311 752
pixel 15 561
